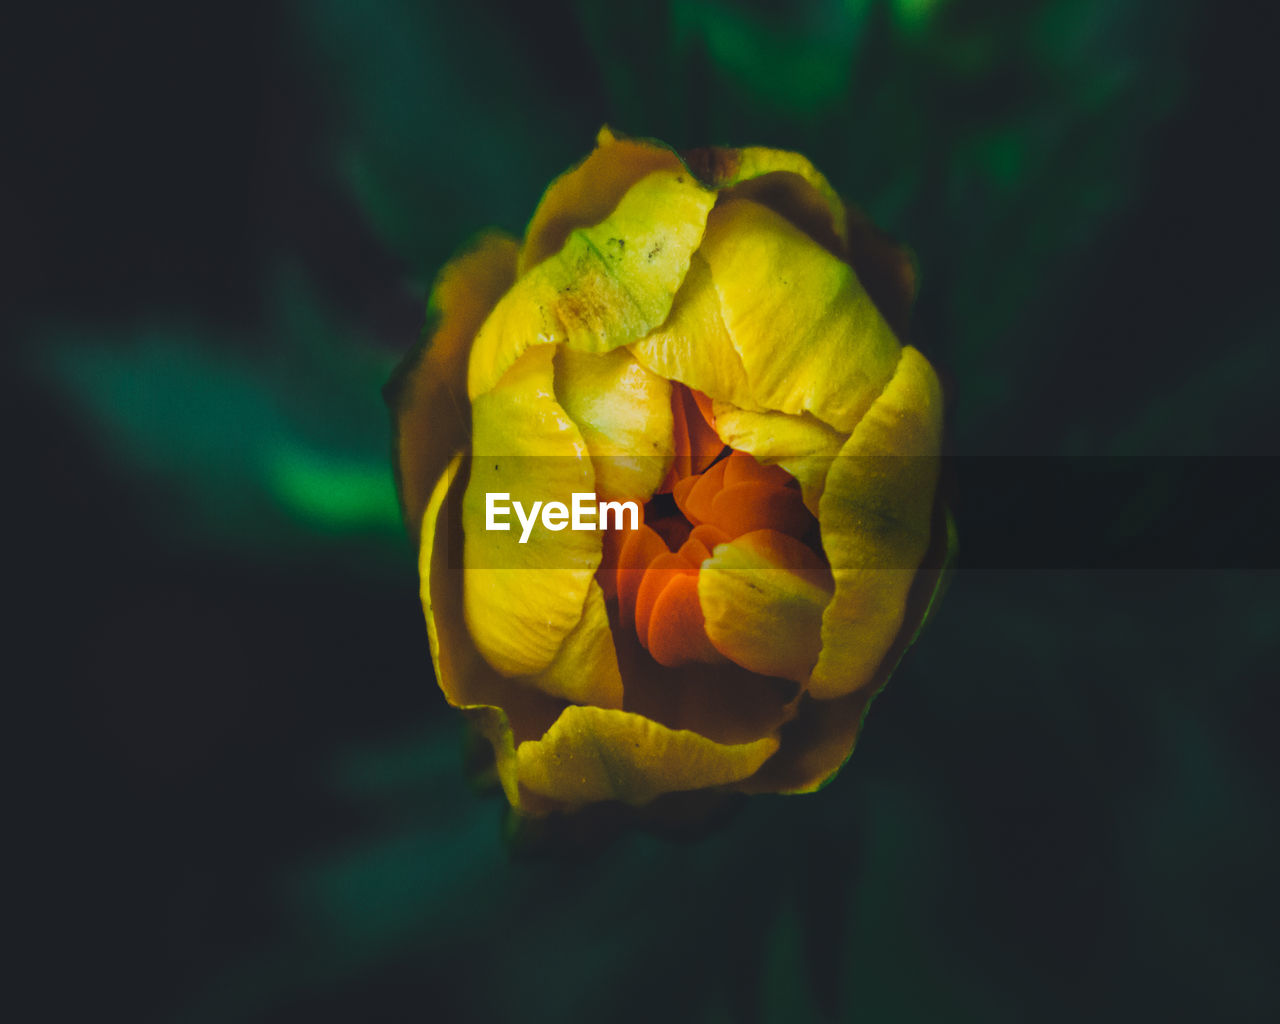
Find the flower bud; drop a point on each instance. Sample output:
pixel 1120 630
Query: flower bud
pixel 673 473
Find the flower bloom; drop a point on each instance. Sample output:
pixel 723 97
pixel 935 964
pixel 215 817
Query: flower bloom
pixel 715 336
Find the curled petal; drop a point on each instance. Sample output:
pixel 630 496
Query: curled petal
pixel 810 337
pixel 876 525
pixel 594 754
pixel 428 392
pixel 522 600
pixel 762 598
pixel 610 284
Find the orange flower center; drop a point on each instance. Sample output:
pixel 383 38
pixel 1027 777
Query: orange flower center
pixel 712 495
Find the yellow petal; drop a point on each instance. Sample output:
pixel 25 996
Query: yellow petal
pixel 588 193
pixel 585 669
pixel 522 600
pixel 813 746
pixel 503 711
pixel 624 413
pixel 802 445
pixel 786 182
pixel 762 597
pixel 427 394
pixel 876 525
pixel 693 345
pixel 610 284
pixel 594 754
pixel 819 738
pixel 810 337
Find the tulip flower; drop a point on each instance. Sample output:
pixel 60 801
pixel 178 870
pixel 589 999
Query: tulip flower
pixel 717 339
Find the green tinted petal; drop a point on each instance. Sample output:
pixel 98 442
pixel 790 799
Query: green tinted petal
pixel 588 193
pixel 763 609
pixel 610 284
pixel 876 517
pixel 594 754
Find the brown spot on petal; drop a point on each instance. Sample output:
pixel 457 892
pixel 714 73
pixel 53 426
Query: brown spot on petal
pixel 885 268
pixel 787 193
pixel 713 165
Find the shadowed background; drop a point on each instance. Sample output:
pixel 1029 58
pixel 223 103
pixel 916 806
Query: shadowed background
pixel 223 225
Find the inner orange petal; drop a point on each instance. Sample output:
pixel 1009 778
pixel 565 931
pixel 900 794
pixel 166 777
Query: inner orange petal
pixel 672 529
pixel 694 550
pixel 705 407
pixel 744 469
pixel 699 497
pixel 677 631
pixel 640 548
pixel 683 464
pixel 710 535
pixel 694 439
pixel 662 570
pixel 759 506
pixel 681 492
pixel 704 443
pixel 653 571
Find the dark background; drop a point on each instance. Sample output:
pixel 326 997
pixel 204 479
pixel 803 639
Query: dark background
pixel 221 223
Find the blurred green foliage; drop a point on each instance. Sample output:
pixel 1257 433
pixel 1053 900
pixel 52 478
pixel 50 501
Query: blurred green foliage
pixel 1056 811
pixel 270 453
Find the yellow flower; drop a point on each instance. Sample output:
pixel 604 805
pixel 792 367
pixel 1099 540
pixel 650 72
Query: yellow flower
pixel 715 336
